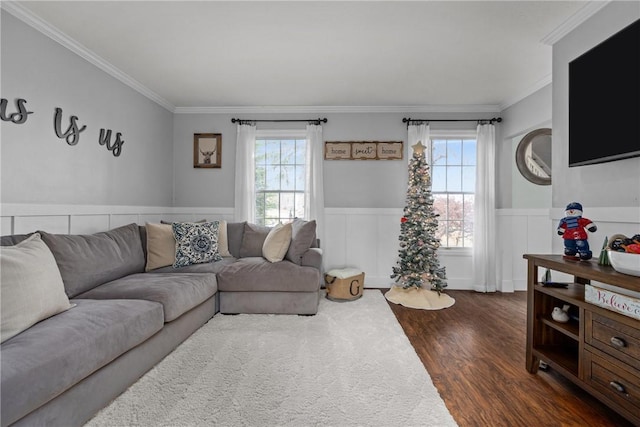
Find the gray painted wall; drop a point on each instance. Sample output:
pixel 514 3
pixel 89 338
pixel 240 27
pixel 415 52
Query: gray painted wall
pixel 614 184
pixel 37 167
pixel 347 184
pixel 531 113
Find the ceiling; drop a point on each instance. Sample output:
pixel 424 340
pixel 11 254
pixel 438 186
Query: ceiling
pixel 239 54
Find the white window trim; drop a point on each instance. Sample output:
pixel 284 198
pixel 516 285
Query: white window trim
pixel 281 133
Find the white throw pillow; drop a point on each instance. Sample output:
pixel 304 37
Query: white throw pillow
pixel 31 286
pixel 276 244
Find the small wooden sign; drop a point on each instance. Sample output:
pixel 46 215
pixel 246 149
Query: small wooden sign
pixel 363 150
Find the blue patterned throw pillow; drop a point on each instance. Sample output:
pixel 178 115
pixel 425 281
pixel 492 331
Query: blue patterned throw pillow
pixel 196 243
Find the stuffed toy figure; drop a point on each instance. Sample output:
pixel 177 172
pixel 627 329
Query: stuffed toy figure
pixel 573 229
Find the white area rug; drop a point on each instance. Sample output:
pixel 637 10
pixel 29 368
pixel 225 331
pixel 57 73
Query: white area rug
pixel 351 364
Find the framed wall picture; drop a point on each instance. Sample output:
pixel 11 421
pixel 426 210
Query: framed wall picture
pixel 207 150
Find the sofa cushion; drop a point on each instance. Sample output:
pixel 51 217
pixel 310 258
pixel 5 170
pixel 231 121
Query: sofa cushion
pixel 253 239
pixel 86 261
pixel 31 286
pixel 277 243
pixel 258 274
pixel 303 234
pixel 195 243
pixel 206 267
pixel 55 354
pixel 177 292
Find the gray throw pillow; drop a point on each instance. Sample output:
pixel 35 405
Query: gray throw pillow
pixel 253 240
pixel 235 231
pixel 302 237
pixel 86 261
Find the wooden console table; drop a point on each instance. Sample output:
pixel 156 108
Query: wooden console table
pixel 597 349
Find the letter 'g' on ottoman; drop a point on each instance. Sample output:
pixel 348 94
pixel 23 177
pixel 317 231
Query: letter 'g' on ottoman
pixel 344 284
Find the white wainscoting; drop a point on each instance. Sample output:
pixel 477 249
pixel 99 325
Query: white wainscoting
pixel 533 231
pixel 521 231
pixel 366 239
pixel 80 219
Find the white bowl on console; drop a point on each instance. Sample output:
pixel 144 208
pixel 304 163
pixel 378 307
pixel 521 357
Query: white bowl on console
pixel 624 262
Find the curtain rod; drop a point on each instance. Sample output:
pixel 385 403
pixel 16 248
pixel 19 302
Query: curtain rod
pixel 495 119
pixel 246 121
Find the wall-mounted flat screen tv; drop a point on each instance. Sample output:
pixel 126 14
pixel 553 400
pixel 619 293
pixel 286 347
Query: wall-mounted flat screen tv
pixel 604 100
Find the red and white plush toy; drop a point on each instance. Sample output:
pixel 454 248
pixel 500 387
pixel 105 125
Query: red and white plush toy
pixel 573 229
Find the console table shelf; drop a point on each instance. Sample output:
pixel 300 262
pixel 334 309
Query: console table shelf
pixel 597 349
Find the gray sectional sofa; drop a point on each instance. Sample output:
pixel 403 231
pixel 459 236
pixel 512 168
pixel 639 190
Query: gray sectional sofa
pixel 124 320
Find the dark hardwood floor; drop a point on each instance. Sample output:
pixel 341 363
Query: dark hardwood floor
pixel 475 351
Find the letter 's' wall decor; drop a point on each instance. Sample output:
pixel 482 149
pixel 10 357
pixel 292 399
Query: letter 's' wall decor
pixel 71 135
pixel 363 150
pixel 18 117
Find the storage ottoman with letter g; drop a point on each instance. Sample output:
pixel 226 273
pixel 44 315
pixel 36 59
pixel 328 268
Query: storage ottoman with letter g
pixel 344 284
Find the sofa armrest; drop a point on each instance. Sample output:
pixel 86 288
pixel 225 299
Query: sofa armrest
pixel 312 258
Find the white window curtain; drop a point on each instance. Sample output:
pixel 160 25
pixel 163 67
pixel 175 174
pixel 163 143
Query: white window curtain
pixel 485 272
pixel 245 201
pixel 417 133
pixel 314 182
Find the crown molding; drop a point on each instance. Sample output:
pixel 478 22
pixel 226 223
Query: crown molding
pixel 34 21
pixel 340 109
pixel 573 21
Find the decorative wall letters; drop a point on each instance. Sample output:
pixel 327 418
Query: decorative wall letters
pixel 18 117
pixel 105 138
pixel 71 135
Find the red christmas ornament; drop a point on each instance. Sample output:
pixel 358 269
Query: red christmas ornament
pixel 403 219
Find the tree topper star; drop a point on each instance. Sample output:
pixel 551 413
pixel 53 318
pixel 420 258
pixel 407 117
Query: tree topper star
pixel 418 148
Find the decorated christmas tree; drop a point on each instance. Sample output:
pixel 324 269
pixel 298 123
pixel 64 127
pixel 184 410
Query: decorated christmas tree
pixel 418 264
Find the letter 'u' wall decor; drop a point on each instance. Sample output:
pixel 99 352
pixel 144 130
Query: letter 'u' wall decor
pixel 71 135
pixel 363 150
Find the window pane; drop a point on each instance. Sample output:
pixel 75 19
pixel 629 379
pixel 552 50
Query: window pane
pixel 469 152
pixel 439 179
pixel 273 178
pixel 288 152
pixel 273 151
pixel 287 206
pixel 261 178
pixel 453 187
pixel 468 179
pixel 454 178
pixel 301 145
pixel 280 173
pixel 260 154
pixel 299 210
pixel 455 206
pixel 300 178
pixel 272 208
pixel 454 233
pixel 454 152
pixel 439 152
pixel 440 205
pixel 441 233
pixel 260 208
pixel 287 178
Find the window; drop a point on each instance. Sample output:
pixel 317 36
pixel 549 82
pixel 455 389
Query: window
pixel 453 186
pixel 280 169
